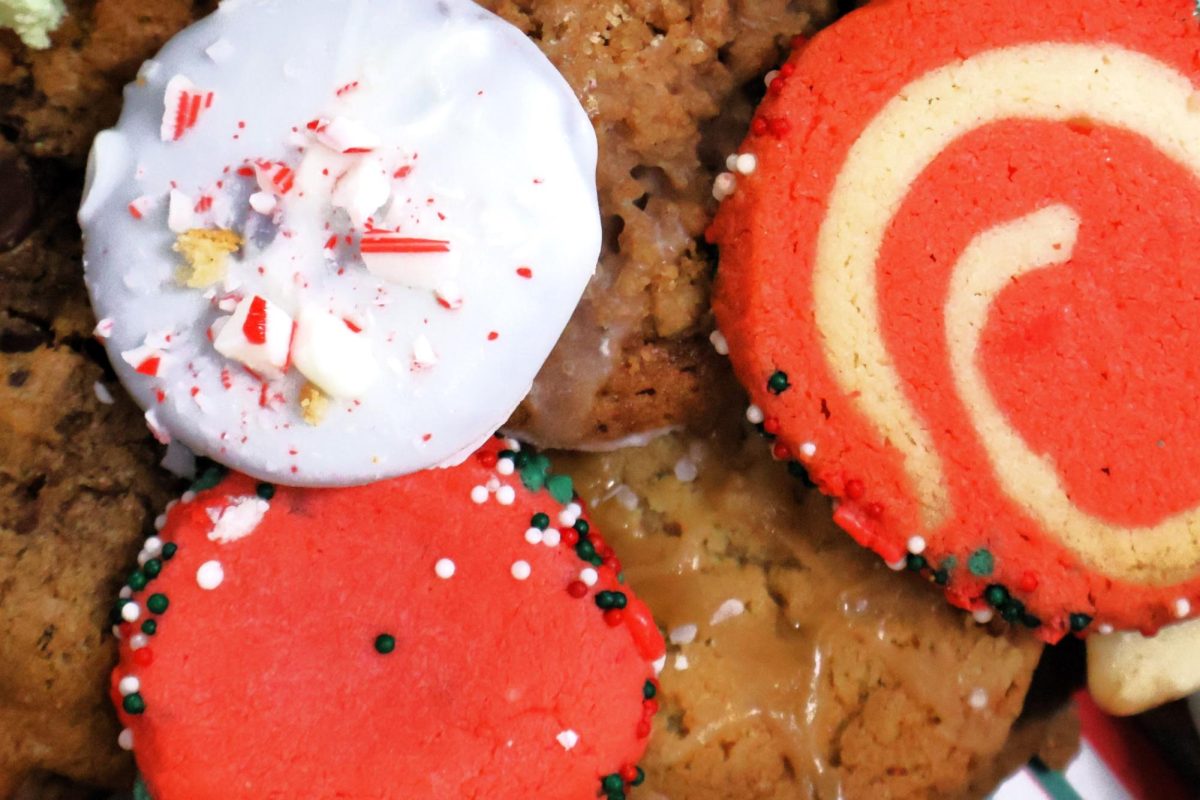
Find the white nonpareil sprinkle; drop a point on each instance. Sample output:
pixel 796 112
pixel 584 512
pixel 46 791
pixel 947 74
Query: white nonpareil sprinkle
pixel 589 576
pixel 978 699
pixel 138 641
pixel 102 393
pixel 719 343
pixel 1182 608
pixel 505 466
pixel 746 164
pixel 728 610
pixel 125 593
pixel 521 570
pixel 983 615
pixel 686 470
pixel 130 612
pixel 731 161
pixel 898 564
pixel 684 634
pixel 493 483
pixel 552 537
pixel 570 514
pixel 916 545
pixel 479 495
pixel 512 444
pixel 681 662
pixel 125 739
pixel 533 536
pixel 658 665
pixel 724 185
pixel 568 739
pixel 237 520
pixel 129 685
pixel 1104 629
pixel 153 546
pixel 444 568
pixel 808 449
pixel 770 77
pixel 210 575
pixel 754 415
pixel 160 522
pixel 505 495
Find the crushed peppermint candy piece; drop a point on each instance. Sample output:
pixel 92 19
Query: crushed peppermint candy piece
pixel 160 433
pixel 344 135
pixel 181 212
pixel 141 206
pixel 258 335
pixel 423 355
pixel 331 355
pixel 183 105
pixel 238 519
pixel 145 360
pixel 419 262
pixel 567 739
pixel 274 177
pixel 449 296
pixel 362 191
pixel 220 51
pixel 727 611
pixel 104 328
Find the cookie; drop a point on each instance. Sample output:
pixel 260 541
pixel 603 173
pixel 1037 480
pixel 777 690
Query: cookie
pixel 954 291
pixel 357 273
pixel 1129 673
pixel 797 664
pixel 446 634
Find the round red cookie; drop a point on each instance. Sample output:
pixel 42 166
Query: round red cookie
pixel 959 279
pixel 437 635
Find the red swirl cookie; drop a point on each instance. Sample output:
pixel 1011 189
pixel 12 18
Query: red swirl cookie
pixel 958 278
pixel 446 634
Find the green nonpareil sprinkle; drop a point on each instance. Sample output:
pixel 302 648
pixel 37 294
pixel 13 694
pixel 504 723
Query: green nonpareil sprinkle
pixel 169 550
pixel 385 644
pixel 265 490
pixel 133 704
pixel 778 382
pixel 152 568
pixel 981 563
pixel 540 521
pixel 149 627
pixel 157 603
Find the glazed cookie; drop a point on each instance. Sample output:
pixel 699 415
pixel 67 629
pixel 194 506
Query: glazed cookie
pixel 953 283
pixel 357 272
pixel 445 634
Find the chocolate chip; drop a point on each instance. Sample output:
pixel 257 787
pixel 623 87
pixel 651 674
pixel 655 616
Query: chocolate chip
pixel 18 203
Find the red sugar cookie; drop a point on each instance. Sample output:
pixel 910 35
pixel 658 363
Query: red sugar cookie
pixel 448 634
pixel 959 279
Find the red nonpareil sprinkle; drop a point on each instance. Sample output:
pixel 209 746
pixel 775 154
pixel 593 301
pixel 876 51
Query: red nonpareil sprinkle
pixel 855 489
pixel 649 707
pixel 570 536
pixel 787 70
pixel 255 326
pixel 604 551
pixel 493 336
pixel 771 425
pixel 487 458
pixel 391 243
pixel 777 85
pixel 149 366
pixel 525 272
pixel 629 773
pixel 143 657
pixel 760 127
pixel 614 617
pixel 577 589
pixel 613 563
pixel 643 729
pixel 1028 582
pixel 779 127
pixel 780 451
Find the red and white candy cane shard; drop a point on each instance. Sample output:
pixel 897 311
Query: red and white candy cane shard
pixel 413 261
pixel 981 332
pixel 183 106
pixel 275 177
pixel 258 335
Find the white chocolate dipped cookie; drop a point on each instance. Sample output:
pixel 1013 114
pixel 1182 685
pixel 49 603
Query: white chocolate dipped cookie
pixel 332 241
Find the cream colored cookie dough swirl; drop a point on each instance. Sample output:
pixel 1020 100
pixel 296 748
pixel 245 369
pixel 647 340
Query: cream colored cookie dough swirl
pixel 1109 84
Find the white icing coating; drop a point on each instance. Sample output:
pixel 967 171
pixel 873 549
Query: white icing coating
pixel 429 134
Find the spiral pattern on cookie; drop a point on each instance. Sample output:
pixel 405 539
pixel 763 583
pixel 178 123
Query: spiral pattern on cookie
pixel 959 289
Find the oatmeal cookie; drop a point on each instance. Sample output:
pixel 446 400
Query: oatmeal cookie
pixel 798 665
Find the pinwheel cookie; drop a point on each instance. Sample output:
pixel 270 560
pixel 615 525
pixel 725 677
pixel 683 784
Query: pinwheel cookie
pixel 957 278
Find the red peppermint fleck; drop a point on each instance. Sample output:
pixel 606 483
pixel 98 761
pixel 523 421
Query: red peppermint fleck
pixel 203 204
pixel 353 327
pixel 160 395
pixel 525 272
pixel 246 172
pixel 134 211
pixel 149 366
pixel 255 326
pixel 403 172
pixel 493 336
pixel 331 242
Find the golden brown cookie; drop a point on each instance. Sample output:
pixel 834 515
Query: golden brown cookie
pixel 797 663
